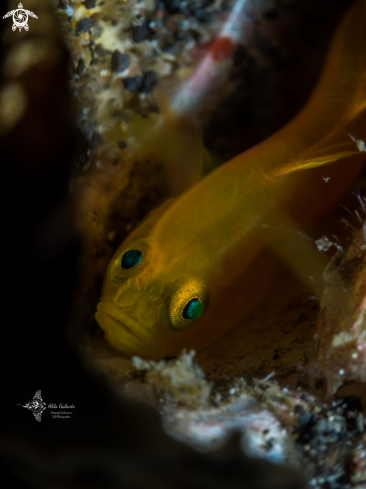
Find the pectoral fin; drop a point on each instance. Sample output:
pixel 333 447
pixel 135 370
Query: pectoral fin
pixel 176 142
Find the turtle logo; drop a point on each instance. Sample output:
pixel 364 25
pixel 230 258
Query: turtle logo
pixel 20 17
pixel 37 406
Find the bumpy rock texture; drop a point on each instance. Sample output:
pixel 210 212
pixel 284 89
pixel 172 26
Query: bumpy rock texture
pixel 341 349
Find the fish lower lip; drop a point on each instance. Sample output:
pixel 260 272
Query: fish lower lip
pixel 122 319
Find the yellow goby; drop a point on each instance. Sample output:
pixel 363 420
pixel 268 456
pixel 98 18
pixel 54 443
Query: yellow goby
pixel 194 268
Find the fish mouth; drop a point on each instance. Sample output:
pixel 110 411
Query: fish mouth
pixel 121 328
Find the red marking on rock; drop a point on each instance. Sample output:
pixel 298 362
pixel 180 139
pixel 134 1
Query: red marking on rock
pixel 222 48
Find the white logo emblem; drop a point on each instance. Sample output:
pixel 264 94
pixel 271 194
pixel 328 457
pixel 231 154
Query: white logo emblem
pixel 20 17
pixel 37 406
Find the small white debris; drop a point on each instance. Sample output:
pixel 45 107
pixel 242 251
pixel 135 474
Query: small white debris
pixel 326 179
pixel 361 146
pixel 361 203
pixel 269 376
pixel 360 422
pixel 69 11
pixel 341 372
pixel 342 338
pixel 358 216
pixel 324 243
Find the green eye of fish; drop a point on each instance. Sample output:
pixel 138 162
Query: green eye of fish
pixel 186 300
pixel 193 309
pixel 128 263
pixel 131 258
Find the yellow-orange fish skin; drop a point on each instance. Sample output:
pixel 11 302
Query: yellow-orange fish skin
pixel 210 243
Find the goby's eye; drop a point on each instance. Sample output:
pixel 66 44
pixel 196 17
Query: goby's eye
pixel 186 300
pixel 193 309
pixel 131 258
pixel 129 261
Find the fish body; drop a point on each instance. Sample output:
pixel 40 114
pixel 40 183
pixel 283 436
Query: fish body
pixel 198 265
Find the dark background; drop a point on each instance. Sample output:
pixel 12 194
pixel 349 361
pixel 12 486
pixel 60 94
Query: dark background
pixel 108 442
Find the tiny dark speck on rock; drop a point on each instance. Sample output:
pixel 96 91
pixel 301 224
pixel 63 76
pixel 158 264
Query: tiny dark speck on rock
pixel 171 48
pixel 140 32
pixel 119 61
pixel 80 67
pixel 133 83
pixel 149 81
pixel 94 61
pixel 84 25
pixel 172 6
pixel 90 3
pixel 122 144
pixel 276 356
pixel 202 15
pixel 269 445
pixel 99 49
pixel 306 421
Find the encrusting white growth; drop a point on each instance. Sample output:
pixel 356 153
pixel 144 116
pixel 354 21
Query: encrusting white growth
pixel 181 379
